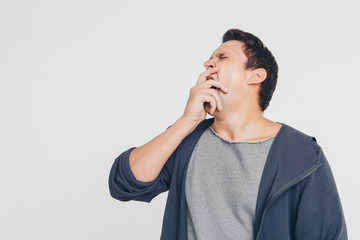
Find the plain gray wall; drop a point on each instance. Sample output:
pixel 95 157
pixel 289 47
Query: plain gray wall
pixel 80 78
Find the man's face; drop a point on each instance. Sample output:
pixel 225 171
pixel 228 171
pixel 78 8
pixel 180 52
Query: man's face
pixel 231 60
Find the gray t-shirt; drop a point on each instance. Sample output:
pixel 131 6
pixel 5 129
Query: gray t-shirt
pixel 222 184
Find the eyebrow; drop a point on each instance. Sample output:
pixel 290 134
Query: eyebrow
pixel 218 55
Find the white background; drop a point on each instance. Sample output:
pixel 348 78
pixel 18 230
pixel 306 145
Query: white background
pixel 83 81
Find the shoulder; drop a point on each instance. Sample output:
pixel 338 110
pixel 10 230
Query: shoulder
pixel 296 146
pixel 299 139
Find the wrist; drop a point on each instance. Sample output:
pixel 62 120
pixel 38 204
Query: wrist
pixel 186 123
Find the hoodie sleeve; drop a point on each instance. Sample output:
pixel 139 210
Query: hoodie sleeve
pixel 320 214
pixel 124 186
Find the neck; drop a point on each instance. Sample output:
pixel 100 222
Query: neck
pixel 245 124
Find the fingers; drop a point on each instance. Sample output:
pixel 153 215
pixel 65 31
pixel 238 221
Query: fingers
pixel 208 83
pixel 208 99
pixel 207 72
pixel 207 89
pixel 215 95
pixel 217 84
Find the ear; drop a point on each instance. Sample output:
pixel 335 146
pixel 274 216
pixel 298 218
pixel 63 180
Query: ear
pixel 257 76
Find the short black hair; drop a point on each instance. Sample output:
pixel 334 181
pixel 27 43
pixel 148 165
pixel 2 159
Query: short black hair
pixel 259 56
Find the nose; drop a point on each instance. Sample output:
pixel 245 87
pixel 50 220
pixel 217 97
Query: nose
pixel 209 64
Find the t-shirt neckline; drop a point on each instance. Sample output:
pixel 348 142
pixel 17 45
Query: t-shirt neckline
pixel 231 141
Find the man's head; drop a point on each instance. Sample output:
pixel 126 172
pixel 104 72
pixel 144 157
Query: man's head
pixel 246 67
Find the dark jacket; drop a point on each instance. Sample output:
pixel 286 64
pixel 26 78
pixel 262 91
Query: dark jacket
pixel 297 199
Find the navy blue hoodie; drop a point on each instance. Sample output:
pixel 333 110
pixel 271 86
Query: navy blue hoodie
pixel 297 199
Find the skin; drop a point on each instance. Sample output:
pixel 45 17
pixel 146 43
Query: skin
pixel 241 118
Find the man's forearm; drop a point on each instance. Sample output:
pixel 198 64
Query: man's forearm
pixel 147 161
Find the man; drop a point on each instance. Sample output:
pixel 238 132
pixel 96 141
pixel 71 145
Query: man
pixel 237 175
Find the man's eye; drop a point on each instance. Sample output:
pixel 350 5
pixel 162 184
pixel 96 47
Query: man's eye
pixel 222 57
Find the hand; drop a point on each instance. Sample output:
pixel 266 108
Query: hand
pixel 201 95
